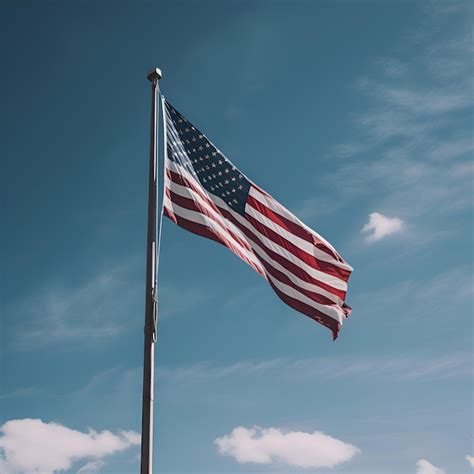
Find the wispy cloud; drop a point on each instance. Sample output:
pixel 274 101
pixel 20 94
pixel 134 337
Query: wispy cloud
pixel 401 368
pixel 120 383
pixel 92 310
pixel 391 67
pixel 413 137
pixel 91 467
pixel 444 8
pixel 97 381
pixel 294 448
pixel 425 467
pixel 173 301
pixel 416 102
pixel 32 445
pixel 96 308
pixel 470 460
pixel 442 297
pixel 109 391
pixel 380 226
pixel 20 392
pixel 254 298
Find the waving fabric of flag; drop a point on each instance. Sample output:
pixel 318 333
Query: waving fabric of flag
pixel 207 195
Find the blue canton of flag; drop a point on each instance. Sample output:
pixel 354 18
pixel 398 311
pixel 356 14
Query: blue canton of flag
pixel 189 148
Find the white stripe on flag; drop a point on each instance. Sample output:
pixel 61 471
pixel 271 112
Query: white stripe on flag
pixel 316 274
pixel 189 193
pixel 204 220
pixel 294 239
pixel 261 254
pixel 275 206
pixel 331 311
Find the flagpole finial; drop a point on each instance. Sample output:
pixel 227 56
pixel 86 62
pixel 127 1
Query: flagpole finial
pixel 154 74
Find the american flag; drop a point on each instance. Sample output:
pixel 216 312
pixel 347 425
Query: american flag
pixel 207 195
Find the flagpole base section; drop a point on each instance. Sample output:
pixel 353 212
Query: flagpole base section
pixel 154 74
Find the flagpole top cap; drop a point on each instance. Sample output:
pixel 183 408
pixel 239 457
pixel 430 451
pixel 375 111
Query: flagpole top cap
pixel 154 75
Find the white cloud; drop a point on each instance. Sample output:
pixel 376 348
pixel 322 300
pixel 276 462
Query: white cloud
pixel 425 467
pixel 32 446
pixel 380 226
pixel 470 460
pixel 294 448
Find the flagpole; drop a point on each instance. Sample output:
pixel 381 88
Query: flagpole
pixel 146 465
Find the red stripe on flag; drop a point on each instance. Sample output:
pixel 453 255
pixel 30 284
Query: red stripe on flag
pixel 180 179
pixel 290 266
pixel 209 233
pixel 192 226
pixel 311 260
pixel 193 205
pixel 317 297
pixel 313 313
pixel 197 207
pixel 291 226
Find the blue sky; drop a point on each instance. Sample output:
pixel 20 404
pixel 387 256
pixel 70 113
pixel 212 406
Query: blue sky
pixel 354 115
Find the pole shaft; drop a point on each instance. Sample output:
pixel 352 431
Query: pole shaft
pixel 146 466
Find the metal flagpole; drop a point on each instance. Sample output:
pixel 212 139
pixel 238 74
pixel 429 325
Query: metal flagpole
pixel 146 466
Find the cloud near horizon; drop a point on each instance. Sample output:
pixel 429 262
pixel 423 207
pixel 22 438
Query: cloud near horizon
pixel 425 467
pixel 32 446
pixel 470 460
pixel 293 448
pixel 380 226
